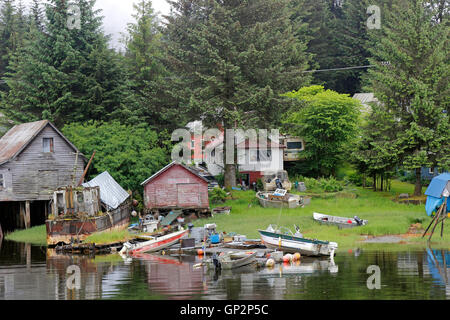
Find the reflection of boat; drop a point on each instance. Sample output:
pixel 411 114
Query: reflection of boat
pixel 154 243
pixel 157 258
pixel 304 267
pixel 272 200
pixel 282 238
pixel 339 221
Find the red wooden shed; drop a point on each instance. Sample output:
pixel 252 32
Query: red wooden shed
pixel 176 186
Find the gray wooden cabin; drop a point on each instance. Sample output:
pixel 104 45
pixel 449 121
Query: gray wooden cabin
pixel 35 159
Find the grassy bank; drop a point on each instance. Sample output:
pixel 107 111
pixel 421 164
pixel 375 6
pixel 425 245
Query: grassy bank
pixel 36 235
pixel 385 216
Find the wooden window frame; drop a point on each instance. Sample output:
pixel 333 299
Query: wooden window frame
pixel 51 146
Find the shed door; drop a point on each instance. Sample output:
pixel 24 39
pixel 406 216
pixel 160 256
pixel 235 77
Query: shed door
pixel 188 195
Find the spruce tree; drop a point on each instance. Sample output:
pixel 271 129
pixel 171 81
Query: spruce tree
pixel 413 87
pixel 236 58
pixel 146 63
pixel 66 74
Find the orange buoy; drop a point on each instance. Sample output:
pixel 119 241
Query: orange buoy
pixel 200 252
pixel 296 256
pixel 287 258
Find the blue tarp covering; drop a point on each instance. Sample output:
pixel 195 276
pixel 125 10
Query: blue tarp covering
pixel 434 193
pixel 438 185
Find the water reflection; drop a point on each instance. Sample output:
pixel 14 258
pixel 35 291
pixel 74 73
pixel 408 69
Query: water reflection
pixel 439 267
pixel 29 272
pixel 172 277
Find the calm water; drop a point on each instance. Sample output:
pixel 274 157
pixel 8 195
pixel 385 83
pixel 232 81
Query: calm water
pixel 30 272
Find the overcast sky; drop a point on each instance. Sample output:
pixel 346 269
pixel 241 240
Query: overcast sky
pixel 117 13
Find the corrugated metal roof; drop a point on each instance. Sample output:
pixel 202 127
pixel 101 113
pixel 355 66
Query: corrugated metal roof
pixel 19 136
pixel 111 193
pixel 168 167
pixel 365 98
pixel 16 139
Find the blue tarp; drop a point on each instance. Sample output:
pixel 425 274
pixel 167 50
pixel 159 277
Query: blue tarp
pixel 434 193
pixel 433 204
pixel 438 185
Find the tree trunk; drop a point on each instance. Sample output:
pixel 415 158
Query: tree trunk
pixel 230 176
pixel 381 183
pixel 418 187
pixel 374 182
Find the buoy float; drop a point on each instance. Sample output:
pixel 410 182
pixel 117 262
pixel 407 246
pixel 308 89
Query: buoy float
pixel 200 252
pixel 296 256
pixel 287 258
pixel 270 263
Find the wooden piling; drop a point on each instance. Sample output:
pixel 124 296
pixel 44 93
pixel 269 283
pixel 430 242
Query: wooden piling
pixel 1 232
pixel 22 215
pixel 27 215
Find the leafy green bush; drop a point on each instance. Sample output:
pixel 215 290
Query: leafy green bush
pixel 217 195
pixel 130 154
pixel 321 185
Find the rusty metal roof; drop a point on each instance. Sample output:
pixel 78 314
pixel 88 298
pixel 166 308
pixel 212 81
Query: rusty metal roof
pixel 19 136
pixel 170 165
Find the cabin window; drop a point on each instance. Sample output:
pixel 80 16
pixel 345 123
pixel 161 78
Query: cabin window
pixel 48 145
pixel 295 145
pixel 431 171
pixel 2 181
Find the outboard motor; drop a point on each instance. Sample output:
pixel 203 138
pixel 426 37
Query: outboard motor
pixel 358 220
pixel 216 262
pixel 278 183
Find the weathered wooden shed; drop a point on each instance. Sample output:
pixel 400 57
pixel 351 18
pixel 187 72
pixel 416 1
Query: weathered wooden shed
pixel 176 186
pixel 35 159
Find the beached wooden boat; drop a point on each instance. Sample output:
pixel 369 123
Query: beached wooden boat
pixel 222 210
pixel 232 260
pixel 269 200
pixel 100 205
pixel 283 239
pixel 154 243
pixel 341 222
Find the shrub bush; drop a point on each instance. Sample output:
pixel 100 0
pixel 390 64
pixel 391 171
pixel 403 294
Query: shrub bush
pixel 217 195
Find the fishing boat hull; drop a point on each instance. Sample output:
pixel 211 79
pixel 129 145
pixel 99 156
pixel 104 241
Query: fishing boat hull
pixel 292 244
pixel 237 260
pixel 341 222
pixel 155 244
pixel 64 231
pixel 265 202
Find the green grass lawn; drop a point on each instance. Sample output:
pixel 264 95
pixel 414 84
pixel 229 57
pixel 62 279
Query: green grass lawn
pixel 385 216
pixel 36 235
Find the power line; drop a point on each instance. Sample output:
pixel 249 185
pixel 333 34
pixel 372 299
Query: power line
pixel 338 69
